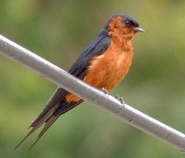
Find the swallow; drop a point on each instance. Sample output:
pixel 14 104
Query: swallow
pixel 102 64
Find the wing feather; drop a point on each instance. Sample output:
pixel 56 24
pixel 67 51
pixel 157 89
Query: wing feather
pixel 55 107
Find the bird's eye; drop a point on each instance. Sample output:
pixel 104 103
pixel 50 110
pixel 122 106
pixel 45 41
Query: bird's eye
pixel 128 23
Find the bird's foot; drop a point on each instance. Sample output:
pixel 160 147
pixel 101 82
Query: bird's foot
pixel 120 99
pixel 104 90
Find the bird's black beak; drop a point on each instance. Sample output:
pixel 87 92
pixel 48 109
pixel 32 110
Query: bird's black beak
pixel 138 29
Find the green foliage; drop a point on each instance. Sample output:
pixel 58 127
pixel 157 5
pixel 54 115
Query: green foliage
pixel 59 31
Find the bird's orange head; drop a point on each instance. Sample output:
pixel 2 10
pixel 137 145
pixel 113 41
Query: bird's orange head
pixel 124 26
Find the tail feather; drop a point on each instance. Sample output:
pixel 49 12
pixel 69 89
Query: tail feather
pixel 51 120
pixel 48 117
pixel 50 107
pixel 40 120
pixel 30 133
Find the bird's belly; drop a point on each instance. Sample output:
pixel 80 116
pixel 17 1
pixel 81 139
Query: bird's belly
pixel 107 71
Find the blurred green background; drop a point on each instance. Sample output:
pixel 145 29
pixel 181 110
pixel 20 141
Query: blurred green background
pixel 59 30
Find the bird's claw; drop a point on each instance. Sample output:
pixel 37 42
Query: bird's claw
pixel 104 90
pixel 120 99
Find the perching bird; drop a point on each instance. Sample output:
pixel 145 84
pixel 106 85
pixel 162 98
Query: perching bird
pixel 102 64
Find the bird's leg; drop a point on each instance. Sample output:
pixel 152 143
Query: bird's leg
pixel 116 97
pixel 104 90
pixel 120 99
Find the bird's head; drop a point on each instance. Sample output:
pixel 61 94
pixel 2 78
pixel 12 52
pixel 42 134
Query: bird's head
pixel 123 25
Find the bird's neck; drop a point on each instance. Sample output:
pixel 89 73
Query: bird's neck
pixel 123 42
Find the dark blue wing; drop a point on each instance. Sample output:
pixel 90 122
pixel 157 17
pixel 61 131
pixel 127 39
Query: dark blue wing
pixel 97 47
pixel 79 69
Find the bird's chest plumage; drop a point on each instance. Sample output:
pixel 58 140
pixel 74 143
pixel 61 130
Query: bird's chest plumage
pixel 110 68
